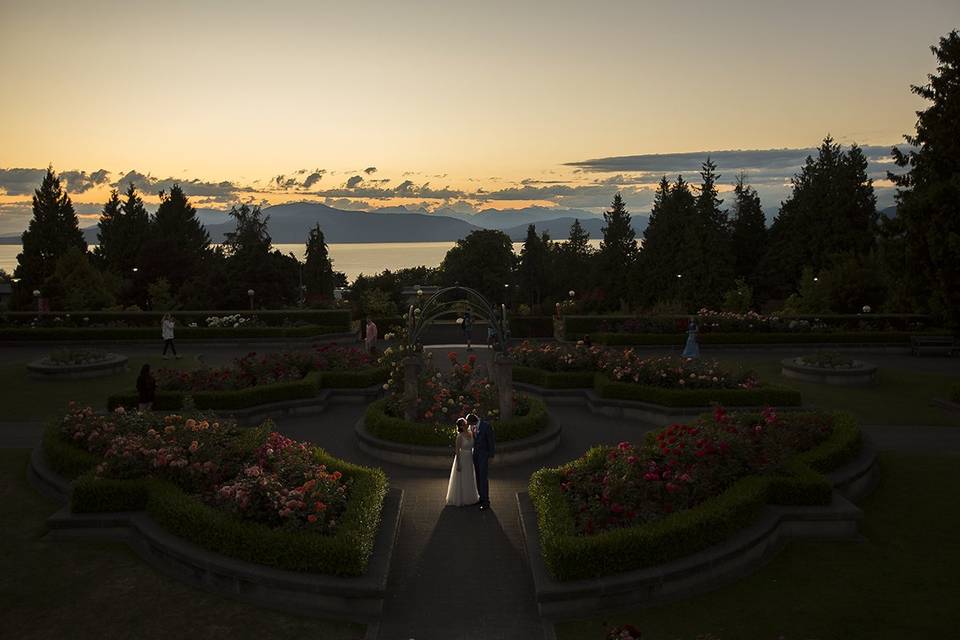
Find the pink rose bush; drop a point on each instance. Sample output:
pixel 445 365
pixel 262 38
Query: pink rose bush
pixel 253 369
pixel 279 483
pixel 680 466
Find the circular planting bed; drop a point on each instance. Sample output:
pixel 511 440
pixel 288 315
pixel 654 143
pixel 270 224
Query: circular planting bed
pixel 415 444
pixel 87 363
pixel 835 370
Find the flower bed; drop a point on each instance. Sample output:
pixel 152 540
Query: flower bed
pixel 260 379
pixel 144 333
pixel 685 488
pixel 384 424
pixel 827 360
pixel 74 356
pixel 723 322
pixel 622 374
pixel 248 493
pixel 777 337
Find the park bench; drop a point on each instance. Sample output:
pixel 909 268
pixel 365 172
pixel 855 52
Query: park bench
pixel 933 344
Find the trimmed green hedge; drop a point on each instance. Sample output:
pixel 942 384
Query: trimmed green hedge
pixel 572 557
pixel 220 400
pixel 345 553
pixel 338 318
pixel 145 333
pixel 765 395
pixel 386 427
pixel 64 458
pixel 782 337
pixel 531 327
pixel 554 379
pixel 576 326
pixel 308 387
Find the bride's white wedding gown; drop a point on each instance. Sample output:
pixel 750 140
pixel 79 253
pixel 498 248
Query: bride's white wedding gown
pixel 462 488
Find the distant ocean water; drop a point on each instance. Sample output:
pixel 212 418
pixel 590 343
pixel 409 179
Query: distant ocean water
pixel 351 258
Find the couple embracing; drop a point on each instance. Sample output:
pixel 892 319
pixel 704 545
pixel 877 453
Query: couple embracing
pixel 474 449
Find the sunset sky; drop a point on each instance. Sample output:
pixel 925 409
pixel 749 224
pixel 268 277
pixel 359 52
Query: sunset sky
pixel 461 104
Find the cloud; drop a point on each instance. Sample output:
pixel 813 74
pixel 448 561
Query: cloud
pixel 23 181
pixel 406 189
pixel 224 191
pixel 348 204
pixel 353 181
pixel 370 170
pixel 313 178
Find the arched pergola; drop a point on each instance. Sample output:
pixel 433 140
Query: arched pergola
pixel 439 304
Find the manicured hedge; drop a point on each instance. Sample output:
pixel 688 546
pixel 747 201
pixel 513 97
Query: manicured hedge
pixel 765 395
pixel 531 327
pixel 572 557
pixel 576 326
pixel 64 458
pixel 308 387
pixel 153 333
pixel 386 427
pixel 334 318
pixel 345 553
pixel 214 400
pixel 554 379
pixel 782 337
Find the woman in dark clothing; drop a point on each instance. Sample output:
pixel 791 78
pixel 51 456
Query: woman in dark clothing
pixel 146 388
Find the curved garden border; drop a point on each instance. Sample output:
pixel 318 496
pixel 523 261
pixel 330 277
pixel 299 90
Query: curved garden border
pixel 113 363
pixel 860 374
pixel 410 455
pixel 738 556
pixel 354 598
pixel 558 388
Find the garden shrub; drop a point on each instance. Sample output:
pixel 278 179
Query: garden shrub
pixel 553 379
pixel 573 552
pixel 755 397
pixel 380 424
pixel 531 327
pixel 225 400
pixel 661 339
pixel 201 500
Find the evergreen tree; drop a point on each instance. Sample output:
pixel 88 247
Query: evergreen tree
pixel 830 213
pixel 618 252
pixel 928 195
pixel 534 266
pixel 572 263
pixel 122 231
pixel 663 242
pixel 706 259
pixel 748 232
pixel 178 244
pixel 250 235
pixel 77 285
pixel 318 269
pixel 53 230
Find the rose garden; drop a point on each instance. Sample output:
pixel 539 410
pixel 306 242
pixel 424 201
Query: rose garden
pixel 295 489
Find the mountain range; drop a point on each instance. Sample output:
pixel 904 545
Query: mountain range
pixel 290 223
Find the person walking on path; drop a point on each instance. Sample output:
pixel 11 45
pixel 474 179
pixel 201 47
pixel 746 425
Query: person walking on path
pixel 146 389
pixel 467 326
pixel 484 447
pixel 692 348
pixel 166 331
pixel 371 337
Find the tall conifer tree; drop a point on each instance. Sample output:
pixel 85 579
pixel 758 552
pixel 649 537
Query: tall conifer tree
pixel 53 230
pixel 618 252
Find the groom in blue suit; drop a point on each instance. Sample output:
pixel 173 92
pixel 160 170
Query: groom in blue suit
pixel 484 445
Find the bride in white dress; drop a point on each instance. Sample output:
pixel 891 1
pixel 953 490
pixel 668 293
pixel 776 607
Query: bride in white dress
pixel 462 488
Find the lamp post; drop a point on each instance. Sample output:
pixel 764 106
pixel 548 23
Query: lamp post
pixel 36 299
pixel 250 293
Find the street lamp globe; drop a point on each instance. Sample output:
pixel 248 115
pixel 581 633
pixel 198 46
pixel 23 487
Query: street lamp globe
pixel 866 308
pixel 679 275
pixel 250 292
pixel 571 293
pixel 36 293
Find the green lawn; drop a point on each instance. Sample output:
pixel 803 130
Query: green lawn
pixel 902 581
pixel 79 589
pixel 899 397
pixel 29 399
